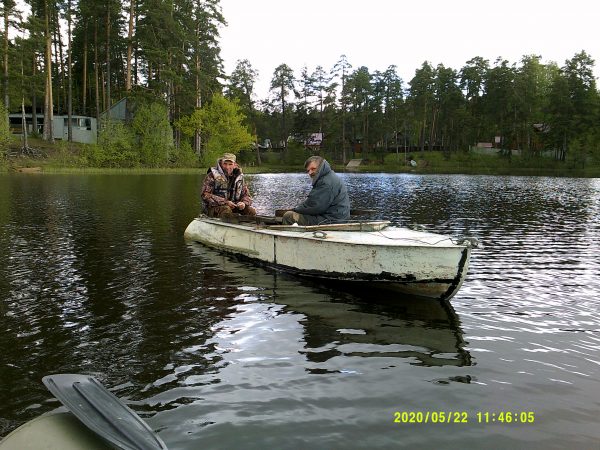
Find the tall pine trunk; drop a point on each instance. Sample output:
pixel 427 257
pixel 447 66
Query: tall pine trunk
pixel 70 86
pixel 366 149
pixel 5 74
pixel 135 55
pixel 129 46
pixel 85 74
pixel 34 119
pixel 59 64
pixel 48 102
pixel 23 118
pixel 96 70
pixel 197 138
pixel 343 116
pixel 108 56
pixel 283 133
pixel 258 160
pixel 432 131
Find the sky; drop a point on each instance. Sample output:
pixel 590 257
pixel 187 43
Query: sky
pixel 404 33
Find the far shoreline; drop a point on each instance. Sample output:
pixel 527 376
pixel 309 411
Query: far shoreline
pixel 40 169
pixel 63 158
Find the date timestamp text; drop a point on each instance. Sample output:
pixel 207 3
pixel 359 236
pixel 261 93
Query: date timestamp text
pixel 464 417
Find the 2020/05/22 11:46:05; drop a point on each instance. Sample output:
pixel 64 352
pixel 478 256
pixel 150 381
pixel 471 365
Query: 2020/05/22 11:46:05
pixel 464 417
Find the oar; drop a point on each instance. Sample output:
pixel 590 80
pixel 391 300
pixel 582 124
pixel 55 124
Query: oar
pixel 103 412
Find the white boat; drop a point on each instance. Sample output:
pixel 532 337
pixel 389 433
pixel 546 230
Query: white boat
pixel 412 262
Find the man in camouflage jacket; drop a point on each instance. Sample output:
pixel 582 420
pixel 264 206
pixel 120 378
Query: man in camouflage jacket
pixel 224 192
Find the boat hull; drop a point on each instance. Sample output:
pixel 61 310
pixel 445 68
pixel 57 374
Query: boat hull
pixel 55 431
pixel 407 261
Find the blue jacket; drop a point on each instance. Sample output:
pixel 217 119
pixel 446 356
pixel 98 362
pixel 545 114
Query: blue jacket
pixel 328 201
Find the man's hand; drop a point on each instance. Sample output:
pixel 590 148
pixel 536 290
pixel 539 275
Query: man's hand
pixel 238 205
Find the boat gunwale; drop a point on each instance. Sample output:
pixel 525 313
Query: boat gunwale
pixel 444 242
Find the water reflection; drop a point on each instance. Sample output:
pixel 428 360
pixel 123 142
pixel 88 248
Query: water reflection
pixel 279 341
pixel 425 332
pixel 342 320
pixel 95 277
pixel 86 280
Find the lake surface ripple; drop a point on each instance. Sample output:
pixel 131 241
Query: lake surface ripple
pixel 95 277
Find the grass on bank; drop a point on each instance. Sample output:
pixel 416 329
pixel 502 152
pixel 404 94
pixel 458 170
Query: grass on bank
pixel 64 157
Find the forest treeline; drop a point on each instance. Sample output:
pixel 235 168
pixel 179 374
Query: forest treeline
pixel 79 57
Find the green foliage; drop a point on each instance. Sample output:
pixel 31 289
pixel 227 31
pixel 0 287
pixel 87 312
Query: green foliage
pixel 184 156
pixel 577 153
pixel 584 150
pixel 296 154
pixel 475 163
pixel 188 125
pixel 115 147
pixel 283 81
pixel 282 85
pixel 5 135
pixel 221 124
pixel 247 157
pixel 153 133
pixel 175 54
pixel 241 84
pixel 293 156
pixel 147 142
pixel 66 156
pixel 223 127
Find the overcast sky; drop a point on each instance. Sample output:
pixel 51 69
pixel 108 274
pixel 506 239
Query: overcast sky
pixel 405 33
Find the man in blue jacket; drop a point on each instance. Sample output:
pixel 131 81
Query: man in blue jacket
pixel 327 202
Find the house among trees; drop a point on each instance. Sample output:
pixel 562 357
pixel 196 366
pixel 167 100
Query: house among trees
pixel 314 141
pixel 121 110
pixel 84 128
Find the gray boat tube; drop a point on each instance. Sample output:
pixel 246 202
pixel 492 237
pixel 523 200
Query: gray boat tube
pixel 96 420
pixel 103 412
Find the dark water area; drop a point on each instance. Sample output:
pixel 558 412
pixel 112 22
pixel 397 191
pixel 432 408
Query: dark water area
pixel 95 277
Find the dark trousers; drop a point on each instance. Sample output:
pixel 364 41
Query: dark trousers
pixel 225 212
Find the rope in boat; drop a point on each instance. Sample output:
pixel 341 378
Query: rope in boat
pixel 469 241
pixel 416 240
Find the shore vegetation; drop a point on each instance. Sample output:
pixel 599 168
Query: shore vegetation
pixel 144 81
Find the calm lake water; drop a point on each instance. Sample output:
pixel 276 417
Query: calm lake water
pixel 95 277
